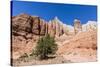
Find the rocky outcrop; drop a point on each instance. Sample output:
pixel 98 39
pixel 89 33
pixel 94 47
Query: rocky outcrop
pixel 90 25
pixel 77 26
pixel 35 25
pixel 24 24
pixel 28 24
pixel 55 27
pixel 51 29
pixel 42 27
pixel 21 23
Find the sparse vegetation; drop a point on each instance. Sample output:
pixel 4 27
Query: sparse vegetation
pixel 45 46
pixel 24 55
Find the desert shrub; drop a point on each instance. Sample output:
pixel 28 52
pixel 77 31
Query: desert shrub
pixel 45 46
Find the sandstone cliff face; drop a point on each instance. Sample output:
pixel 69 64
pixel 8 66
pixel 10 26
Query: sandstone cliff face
pixel 28 24
pixel 35 25
pixel 42 27
pixel 21 23
pixel 51 29
pixel 58 28
pixel 55 27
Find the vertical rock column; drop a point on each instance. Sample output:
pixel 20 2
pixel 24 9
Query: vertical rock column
pixel 42 27
pixel 77 26
pixel 36 25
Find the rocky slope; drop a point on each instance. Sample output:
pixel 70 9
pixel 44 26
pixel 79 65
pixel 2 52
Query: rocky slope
pixel 78 41
pixel 90 25
pixel 81 48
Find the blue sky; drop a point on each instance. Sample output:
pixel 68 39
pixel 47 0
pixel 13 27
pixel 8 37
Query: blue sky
pixel 47 11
